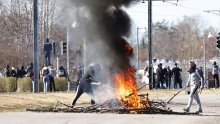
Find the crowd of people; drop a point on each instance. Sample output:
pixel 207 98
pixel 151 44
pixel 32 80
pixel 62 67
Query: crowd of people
pixel 47 73
pixel 163 77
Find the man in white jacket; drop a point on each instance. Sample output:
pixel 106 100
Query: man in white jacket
pixel 197 84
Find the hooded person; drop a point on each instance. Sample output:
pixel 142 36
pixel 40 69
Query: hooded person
pixel 85 83
pixel 196 82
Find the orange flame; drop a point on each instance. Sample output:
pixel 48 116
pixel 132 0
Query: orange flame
pixel 125 86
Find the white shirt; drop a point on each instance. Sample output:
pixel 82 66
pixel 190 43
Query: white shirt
pixel 194 78
pixel 43 69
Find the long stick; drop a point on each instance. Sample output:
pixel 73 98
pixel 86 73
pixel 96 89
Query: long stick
pixel 138 90
pixel 64 104
pixel 176 94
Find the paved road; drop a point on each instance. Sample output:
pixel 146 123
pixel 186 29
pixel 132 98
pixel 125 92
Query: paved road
pixel 211 115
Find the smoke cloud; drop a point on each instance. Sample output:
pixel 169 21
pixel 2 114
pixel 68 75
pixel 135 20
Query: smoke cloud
pixel 104 26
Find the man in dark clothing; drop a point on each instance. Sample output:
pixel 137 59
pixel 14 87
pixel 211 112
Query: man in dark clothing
pixel 92 75
pixel 177 76
pixel 200 71
pixel 168 75
pixel 215 71
pixel 62 72
pixel 21 72
pixel 47 51
pixel 160 76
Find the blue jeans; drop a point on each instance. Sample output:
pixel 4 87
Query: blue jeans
pixel 46 82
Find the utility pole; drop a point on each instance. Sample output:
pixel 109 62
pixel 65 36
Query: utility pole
pixel 67 57
pixel 36 50
pixel 150 42
pixel 150 38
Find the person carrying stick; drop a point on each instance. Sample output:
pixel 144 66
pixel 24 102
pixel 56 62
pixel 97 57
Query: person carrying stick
pixel 197 84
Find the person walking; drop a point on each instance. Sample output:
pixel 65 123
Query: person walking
pixel 197 84
pixel 215 71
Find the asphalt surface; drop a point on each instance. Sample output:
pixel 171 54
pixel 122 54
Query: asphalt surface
pixel 210 115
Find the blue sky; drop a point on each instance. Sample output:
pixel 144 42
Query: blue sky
pixel 173 13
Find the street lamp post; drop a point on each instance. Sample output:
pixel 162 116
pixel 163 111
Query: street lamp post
pixel 204 45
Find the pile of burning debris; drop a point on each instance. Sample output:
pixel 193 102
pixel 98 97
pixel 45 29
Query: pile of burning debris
pixel 127 100
pixel 113 106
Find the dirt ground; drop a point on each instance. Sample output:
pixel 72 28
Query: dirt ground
pixel 210 115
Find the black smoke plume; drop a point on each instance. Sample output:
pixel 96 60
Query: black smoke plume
pixel 105 26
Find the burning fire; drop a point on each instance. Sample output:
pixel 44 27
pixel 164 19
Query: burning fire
pixel 125 86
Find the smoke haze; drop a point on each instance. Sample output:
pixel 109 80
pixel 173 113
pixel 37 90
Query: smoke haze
pixel 103 25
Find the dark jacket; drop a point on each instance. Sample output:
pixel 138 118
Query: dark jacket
pixel 176 72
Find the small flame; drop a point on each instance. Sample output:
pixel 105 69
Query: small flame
pixel 125 86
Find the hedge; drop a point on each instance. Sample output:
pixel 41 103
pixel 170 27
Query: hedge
pixel 8 84
pixel 61 84
pixel 24 85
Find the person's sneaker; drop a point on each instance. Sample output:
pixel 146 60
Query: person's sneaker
pixel 199 111
pixel 186 110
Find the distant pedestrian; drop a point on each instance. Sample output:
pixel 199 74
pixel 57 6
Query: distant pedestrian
pixel 45 72
pixel 7 71
pixel 196 82
pixel 62 72
pixel 215 71
pixel 160 76
pixel 200 72
pixel 51 78
pixel 177 76
pixel 21 72
pixel 168 76
pixel 47 52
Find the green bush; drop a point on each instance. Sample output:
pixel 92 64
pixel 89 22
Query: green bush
pixel 60 84
pixel 8 84
pixel 2 85
pixel 24 85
